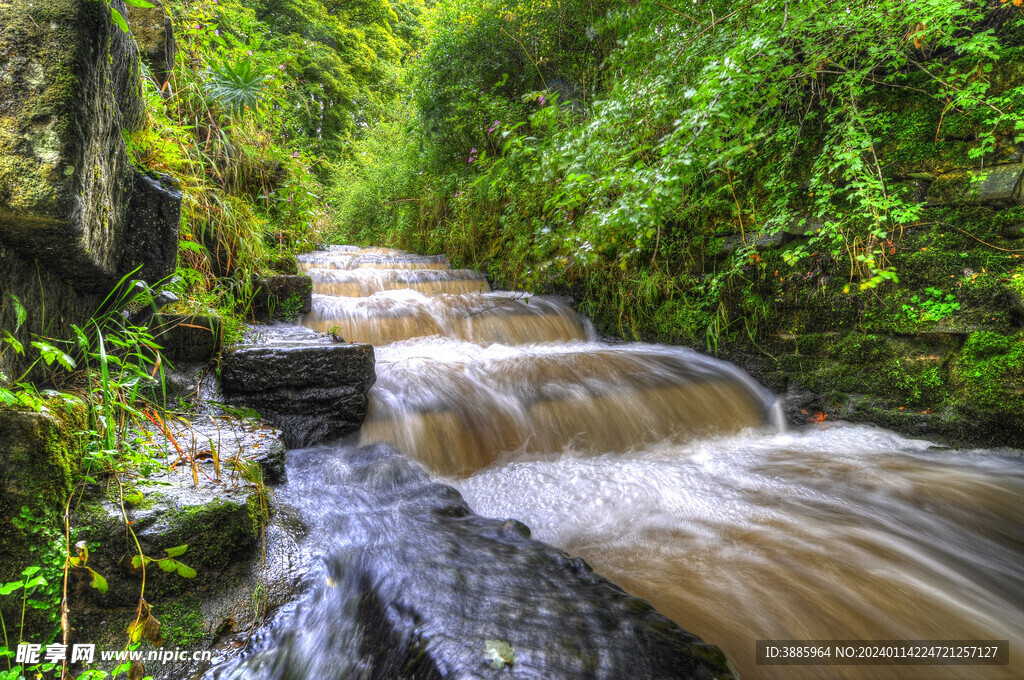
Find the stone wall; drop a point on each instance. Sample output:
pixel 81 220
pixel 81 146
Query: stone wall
pixel 75 214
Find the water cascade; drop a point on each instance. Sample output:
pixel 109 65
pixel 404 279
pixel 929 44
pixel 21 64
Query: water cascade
pixel 666 470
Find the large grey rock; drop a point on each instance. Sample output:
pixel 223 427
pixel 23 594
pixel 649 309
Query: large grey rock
pixel 69 87
pixel 311 391
pixel 413 584
pixel 999 185
pixel 154 219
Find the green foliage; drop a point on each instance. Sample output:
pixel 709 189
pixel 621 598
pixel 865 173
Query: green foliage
pixel 167 563
pixel 932 306
pixel 291 307
pixel 991 370
pixel 257 117
pixel 598 146
pixel 235 86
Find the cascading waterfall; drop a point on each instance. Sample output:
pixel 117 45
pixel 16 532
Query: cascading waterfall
pixel 465 378
pixel 666 470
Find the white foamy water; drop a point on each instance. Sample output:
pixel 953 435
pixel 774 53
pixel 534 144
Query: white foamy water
pixel 662 467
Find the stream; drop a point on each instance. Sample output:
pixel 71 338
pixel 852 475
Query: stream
pixel 668 471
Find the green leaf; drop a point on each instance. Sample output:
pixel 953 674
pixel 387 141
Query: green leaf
pixel 186 571
pixel 139 3
pixel 51 354
pixel 13 342
pixel 119 19
pixel 135 630
pixel 177 550
pixel 192 246
pixel 8 588
pixel 168 564
pixel 98 582
pixel 19 311
pixel 137 561
pixel 29 570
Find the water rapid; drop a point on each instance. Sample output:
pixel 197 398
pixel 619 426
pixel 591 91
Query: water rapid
pixel 667 471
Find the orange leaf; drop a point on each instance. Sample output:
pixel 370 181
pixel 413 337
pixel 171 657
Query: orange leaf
pixel 819 417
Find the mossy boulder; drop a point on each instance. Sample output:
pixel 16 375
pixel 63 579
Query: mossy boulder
pixel 282 297
pixel 998 185
pixel 990 375
pixel 69 196
pixel 238 549
pixel 38 453
pixel 218 526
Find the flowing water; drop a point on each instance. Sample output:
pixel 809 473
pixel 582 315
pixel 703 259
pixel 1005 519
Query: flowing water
pixel 668 472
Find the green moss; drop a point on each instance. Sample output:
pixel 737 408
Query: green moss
pixel 182 621
pixel 216 532
pixel 39 456
pixel 42 451
pixel 990 371
pixel 291 307
pixel 257 505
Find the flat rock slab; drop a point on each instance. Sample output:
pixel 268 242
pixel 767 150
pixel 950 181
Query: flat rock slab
pixel 239 443
pixel 310 390
pixel 413 584
pixel 999 185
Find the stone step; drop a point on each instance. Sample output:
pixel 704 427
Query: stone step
pixel 312 391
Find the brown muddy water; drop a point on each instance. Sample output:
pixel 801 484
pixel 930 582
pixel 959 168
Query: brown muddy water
pixel 669 472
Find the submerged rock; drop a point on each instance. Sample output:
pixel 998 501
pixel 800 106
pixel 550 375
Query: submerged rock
pixel 417 586
pixel 311 391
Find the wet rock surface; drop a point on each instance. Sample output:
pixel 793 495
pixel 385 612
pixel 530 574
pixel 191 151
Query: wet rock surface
pixel 240 544
pixel 311 390
pixel 412 584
